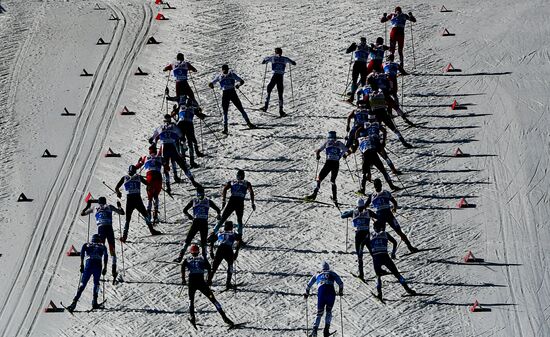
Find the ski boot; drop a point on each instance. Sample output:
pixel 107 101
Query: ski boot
pixel 155 217
pixel 225 131
pixel 335 201
pixel 313 332
pixel 396 171
pixel 393 187
pixel 153 231
pixel 408 289
pixel 192 320
pixel 71 307
pixel 264 108
pixel 379 294
pixel 199 153
pixel 326 330
pixel 405 144
pixel 282 113
pixel 114 273
pixel 124 237
pixel 251 126
pixel 311 197
pixel 226 319
pixel 413 249
pixel 194 165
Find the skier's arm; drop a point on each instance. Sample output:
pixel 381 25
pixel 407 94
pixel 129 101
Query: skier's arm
pixel 384 135
pixel 267 59
pixel 186 209
pixel 224 193
pixel 237 248
pixel 318 151
pixel 386 17
pixel 346 214
pixel 373 214
pixel 168 67
pixel 143 181
pixel 117 209
pixel 338 281
pixel 191 68
pixel 310 284
pixel 216 208
pixel 394 202
pixel 215 80
pixel 351 48
pixel 154 136
pixel 238 79
pixel 140 162
pixel 87 210
pixel 410 17
pixel 117 187
pixel 288 60
pixel 251 191
pixel 394 244
pixel 349 119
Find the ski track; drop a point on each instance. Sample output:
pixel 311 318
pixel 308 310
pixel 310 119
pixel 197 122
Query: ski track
pixel 288 238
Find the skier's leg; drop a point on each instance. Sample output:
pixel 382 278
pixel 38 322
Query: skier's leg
pixel 378 164
pixel 397 228
pixel 239 211
pixel 97 275
pixel 400 44
pixel 191 291
pixel 328 316
pixel 217 260
pixel 208 293
pixel 228 256
pixel 130 206
pixel 229 208
pixel 225 108
pixel 270 87
pixel 325 170
pixel 333 175
pixel 356 70
pixel 203 230
pixel 237 102
pixel 280 92
pixel 86 274
pixel 392 40
pixel 321 302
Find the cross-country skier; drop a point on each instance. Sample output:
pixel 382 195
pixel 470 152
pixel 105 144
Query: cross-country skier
pixel 376 55
pixel 238 189
pixel 397 34
pixel 378 247
pixel 104 221
pixel 367 140
pixel 359 117
pixel 379 81
pixel 334 150
pixel 359 71
pixel 382 202
pixel 153 165
pixel 361 216
pixel 326 295
pixel 227 81
pixel 197 266
pixel 379 106
pixel 180 69
pixel 278 66
pixel 391 69
pixel 169 135
pixel 184 113
pixel 201 205
pixel 93 253
pixel 225 239
pixel 132 187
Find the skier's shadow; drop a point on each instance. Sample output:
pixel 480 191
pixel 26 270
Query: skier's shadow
pixel 465 127
pixel 296 250
pixel 459 284
pixel 462 106
pixel 455 304
pixel 466 74
pixel 431 94
pixel 276 273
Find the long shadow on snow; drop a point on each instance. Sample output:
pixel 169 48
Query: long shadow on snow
pixel 441 155
pixel 464 105
pixel 449 127
pixel 152 282
pixel 440 171
pixel 296 250
pixel 465 74
pixel 459 284
pixel 453 115
pixel 437 302
pixel 484 264
pixel 431 94
pixel 442 197
pixel 444 141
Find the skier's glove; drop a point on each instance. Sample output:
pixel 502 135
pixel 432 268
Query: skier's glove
pixel 411 14
pixel 253 207
pixel 118 204
pixel 167 91
pixel 318 156
pixel 211 85
pixel 104 271
pixel 81 268
pixel 306 294
pixel 237 86
pixel 384 15
pixel 341 292
pixel 177 259
pixel 118 194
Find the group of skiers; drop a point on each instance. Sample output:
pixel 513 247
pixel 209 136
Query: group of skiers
pixel 373 90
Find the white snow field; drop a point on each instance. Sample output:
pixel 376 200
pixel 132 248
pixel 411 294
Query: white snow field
pixel 502 49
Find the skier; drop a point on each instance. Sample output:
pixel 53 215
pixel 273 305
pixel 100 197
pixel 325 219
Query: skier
pixel 201 206
pixel 359 71
pixel 391 69
pixel 360 221
pixel 379 106
pixel 169 135
pixel 132 186
pixel 378 247
pixel 227 81
pixel 238 188
pixel 185 112
pixel 334 150
pixel 380 81
pixel 180 69
pixel 197 266
pixel 367 140
pixel 153 165
pixel 376 55
pixel 225 239
pixel 397 34
pixel 278 65
pixel 326 295
pixel 359 117
pixel 104 221
pixel 381 200
pixel 93 252
pixel 375 128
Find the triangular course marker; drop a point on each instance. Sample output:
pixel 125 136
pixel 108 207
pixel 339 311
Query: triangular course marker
pixel 464 204
pixel 126 112
pixel 111 153
pixel 476 307
pixel 167 6
pixel 450 69
pixel 23 198
pixel 115 18
pixel 140 72
pixel 469 258
pixel 161 17
pixel 447 33
pixel 53 308
pixel 101 42
pixel 47 154
pixel 458 153
pixel 85 73
pixel 72 251
pixel 444 9
pixel 152 40
pixel 98 7
pixel 158 2
pixel 67 113
pixel 454 105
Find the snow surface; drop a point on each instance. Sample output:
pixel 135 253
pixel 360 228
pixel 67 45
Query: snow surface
pixel 503 51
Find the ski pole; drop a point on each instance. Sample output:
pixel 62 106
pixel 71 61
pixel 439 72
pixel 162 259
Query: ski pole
pixel 235 274
pixel 121 247
pixel 307 320
pixel 347 230
pixel 217 103
pixel 249 215
pixel 194 87
pixel 349 169
pixel 89 215
pixel 291 85
pixel 242 93
pixel 341 317
pixel 412 40
pixel 349 72
pixel 164 203
pixel 263 85
pixel 166 87
pixel 109 187
pixel 402 94
pixel 202 143
pixel 317 169
pixel 103 286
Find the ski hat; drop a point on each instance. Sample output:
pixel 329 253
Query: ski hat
pixel 132 170
pixel 377 184
pixel 363 40
pixel 180 57
pixel 200 192
pixel 360 202
pixel 379 40
pixel 398 9
pixel 325 266
pixel 194 249
pixel 225 67
pixel 96 238
pixel 378 226
pixel 228 226
pixel 102 200
pixel 279 51
pixel 152 148
pixel 331 135
pixel 240 174
pixel 167 118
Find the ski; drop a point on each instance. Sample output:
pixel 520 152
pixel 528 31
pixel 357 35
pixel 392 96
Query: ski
pixel 421 250
pixel 332 333
pixel 378 298
pixel 194 324
pixel 100 306
pixel 233 287
pixel 67 309
pixel 417 294
pixel 236 326
pixel 303 199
